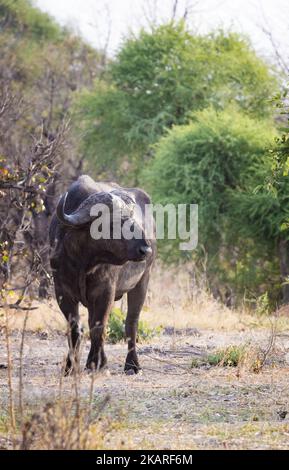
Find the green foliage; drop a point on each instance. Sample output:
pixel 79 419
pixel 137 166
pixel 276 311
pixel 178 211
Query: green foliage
pixel 157 80
pixel 116 328
pixel 22 17
pixel 216 160
pixel 227 357
pixel 230 356
pixel 243 355
pixel 101 127
pixel 260 211
pixel 201 162
pixel 44 63
pixel 275 186
pixel 179 113
pixel 263 306
pixel 281 149
pixel 260 208
pixel 173 72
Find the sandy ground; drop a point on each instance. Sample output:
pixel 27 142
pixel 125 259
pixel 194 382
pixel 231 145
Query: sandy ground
pixel 170 405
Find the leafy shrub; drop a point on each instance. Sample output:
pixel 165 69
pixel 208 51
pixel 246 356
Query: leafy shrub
pixel 22 16
pixel 157 80
pixel 116 328
pixel 201 162
pixel 208 162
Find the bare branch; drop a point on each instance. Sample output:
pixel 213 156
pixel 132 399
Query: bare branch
pixel 284 66
pixel 175 7
pixel 267 30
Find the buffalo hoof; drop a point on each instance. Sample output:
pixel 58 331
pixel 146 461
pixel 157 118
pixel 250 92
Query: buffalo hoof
pixel 103 371
pixel 93 367
pixel 131 367
pixel 134 371
pixel 70 369
pixel 130 372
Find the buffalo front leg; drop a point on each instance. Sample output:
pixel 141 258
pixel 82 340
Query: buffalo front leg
pixel 135 301
pixel 98 311
pixel 71 313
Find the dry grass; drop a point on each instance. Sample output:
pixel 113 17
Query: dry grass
pixel 68 421
pixel 172 301
pixel 176 302
pixel 212 407
pixel 65 425
pixel 220 407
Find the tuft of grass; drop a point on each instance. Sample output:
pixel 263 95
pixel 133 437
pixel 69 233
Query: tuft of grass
pixel 116 328
pixel 4 422
pixel 233 356
pixel 230 356
pixel 65 425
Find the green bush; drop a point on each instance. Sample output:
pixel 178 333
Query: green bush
pixel 201 162
pixel 116 328
pixel 157 80
pixel 23 17
pixel 217 161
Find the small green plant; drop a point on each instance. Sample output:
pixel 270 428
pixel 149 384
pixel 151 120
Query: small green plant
pixel 230 356
pixel 263 306
pixel 251 358
pixel 116 328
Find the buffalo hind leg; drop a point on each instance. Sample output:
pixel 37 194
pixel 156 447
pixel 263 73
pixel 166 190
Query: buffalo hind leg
pixel 71 313
pixel 135 301
pixel 98 311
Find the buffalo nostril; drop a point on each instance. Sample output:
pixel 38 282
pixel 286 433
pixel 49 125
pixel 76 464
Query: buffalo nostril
pixel 145 250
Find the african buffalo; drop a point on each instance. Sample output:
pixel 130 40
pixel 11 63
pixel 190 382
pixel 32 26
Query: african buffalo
pixel 96 272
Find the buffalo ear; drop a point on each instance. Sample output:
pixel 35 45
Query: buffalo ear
pixel 124 196
pixel 116 201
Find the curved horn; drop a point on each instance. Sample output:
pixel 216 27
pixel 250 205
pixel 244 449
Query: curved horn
pixel 60 209
pixel 81 215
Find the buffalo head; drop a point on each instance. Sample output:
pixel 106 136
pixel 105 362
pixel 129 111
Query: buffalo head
pixel 112 225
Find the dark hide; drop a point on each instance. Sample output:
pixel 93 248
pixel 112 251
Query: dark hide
pixel 98 272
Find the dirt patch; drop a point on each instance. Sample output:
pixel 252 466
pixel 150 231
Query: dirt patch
pixel 170 405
